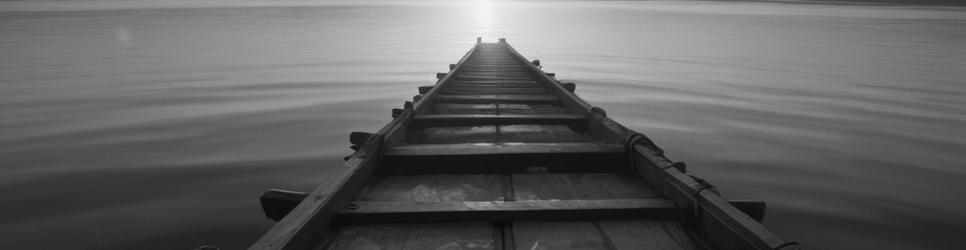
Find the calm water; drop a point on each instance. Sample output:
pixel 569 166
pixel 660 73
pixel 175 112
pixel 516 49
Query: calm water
pixel 159 128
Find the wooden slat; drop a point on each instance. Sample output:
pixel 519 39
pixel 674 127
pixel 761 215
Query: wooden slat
pixel 647 234
pixel 728 228
pixel 419 236
pixel 435 188
pixel 521 82
pixel 495 77
pixel 575 162
pixel 494 85
pixel 495 73
pixel 502 149
pixel 491 90
pixel 363 212
pixel 479 70
pixel 492 119
pixel 505 134
pixel 577 186
pixel 505 108
pixel 530 99
pixel 490 158
pixel 455 108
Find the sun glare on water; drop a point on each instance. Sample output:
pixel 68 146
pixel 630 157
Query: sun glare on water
pixel 483 14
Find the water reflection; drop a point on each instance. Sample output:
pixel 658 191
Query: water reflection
pixel 158 128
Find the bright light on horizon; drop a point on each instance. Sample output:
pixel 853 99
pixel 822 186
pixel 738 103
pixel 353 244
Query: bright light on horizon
pixel 483 15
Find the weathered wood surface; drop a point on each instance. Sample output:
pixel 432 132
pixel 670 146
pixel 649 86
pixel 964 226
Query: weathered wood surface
pixel 580 186
pixel 367 212
pixel 498 154
pixel 491 119
pixel 502 149
pixel 497 98
pixel 417 236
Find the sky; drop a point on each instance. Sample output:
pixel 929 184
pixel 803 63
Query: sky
pixel 68 5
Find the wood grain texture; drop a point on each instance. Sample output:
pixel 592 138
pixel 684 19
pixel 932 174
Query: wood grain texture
pixel 362 212
pixel 502 149
pixel 572 235
pixel 482 98
pixel 416 237
pixel 647 234
pixel 493 119
pixel 586 186
pixel 436 188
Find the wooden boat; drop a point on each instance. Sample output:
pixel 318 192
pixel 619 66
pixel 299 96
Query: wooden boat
pixel 500 155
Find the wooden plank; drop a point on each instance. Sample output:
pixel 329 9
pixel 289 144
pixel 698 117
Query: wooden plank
pixel 455 135
pixel 436 188
pixel 491 90
pixel 417 237
pixel 510 74
pixel 519 82
pixel 530 99
pixel 505 164
pixel 457 108
pixel 502 134
pixel 728 228
pixel 509 108
pixel 582 235
pixel 647 234
pixel 494 85
pixel 493 119
pixel 481 70
pixel 583 186
pixel 485 78
pixel 543 133
pixel 502 149
pixel 364 212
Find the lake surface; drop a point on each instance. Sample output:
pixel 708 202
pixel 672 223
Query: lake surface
pixel 158 128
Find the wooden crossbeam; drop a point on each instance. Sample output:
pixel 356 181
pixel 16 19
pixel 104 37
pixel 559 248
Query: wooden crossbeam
pixel 452 90
pixel 528 99
pixel 494 85
pixel 503 81
pixel 370 212
pixel 496 158
pixel 489 119
pixel 502 148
